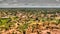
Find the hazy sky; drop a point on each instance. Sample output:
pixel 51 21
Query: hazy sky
pixel 29 3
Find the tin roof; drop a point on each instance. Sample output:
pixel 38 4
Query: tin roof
pixel 29 3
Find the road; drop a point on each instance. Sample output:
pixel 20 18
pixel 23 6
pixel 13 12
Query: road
pixel 29 3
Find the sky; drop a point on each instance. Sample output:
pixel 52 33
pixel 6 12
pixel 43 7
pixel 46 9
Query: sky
pixel 29 3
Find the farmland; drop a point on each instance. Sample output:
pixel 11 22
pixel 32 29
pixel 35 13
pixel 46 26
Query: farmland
pixel 29 21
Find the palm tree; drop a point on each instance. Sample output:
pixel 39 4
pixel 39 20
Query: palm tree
pixel 4 21
pixel 23 27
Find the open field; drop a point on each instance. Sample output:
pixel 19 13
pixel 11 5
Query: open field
pixel 29 21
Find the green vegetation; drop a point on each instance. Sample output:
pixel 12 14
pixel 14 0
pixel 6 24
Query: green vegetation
pixel 22 19
pixel 23 27
pixel 4 21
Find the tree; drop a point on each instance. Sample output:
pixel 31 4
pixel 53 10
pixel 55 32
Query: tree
pixel 23 27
